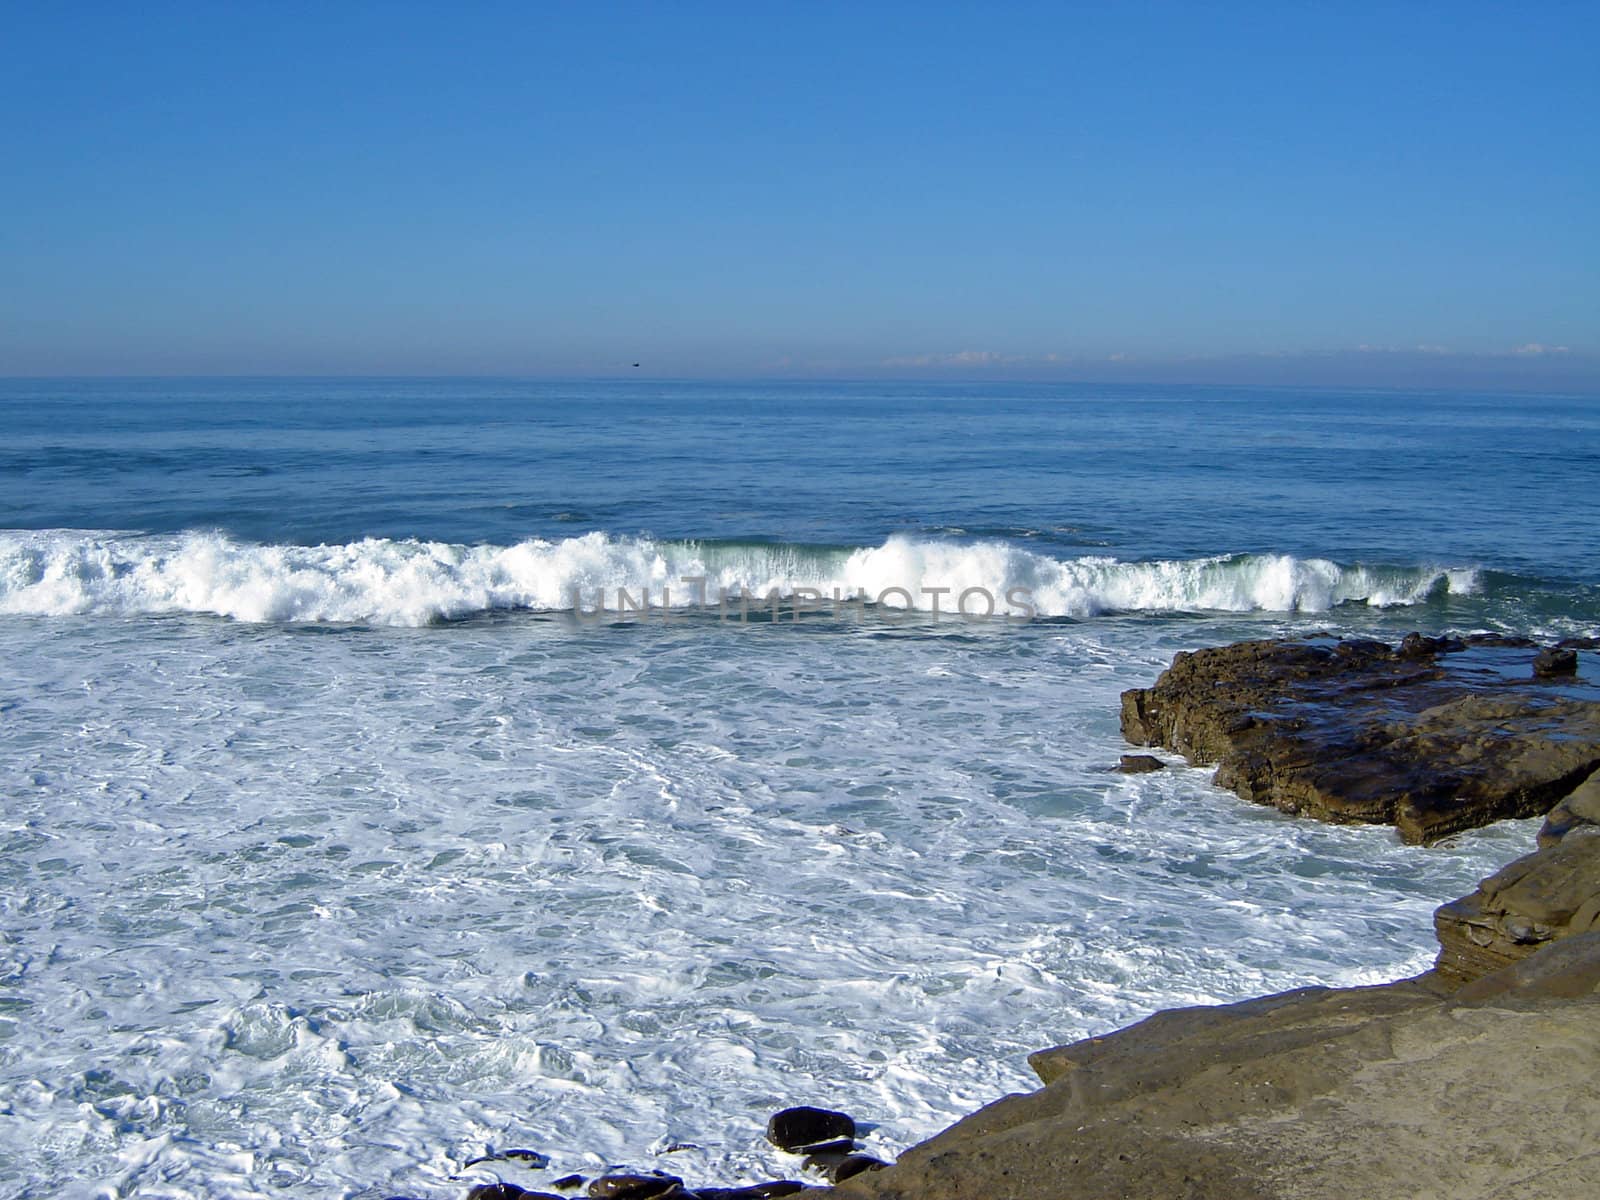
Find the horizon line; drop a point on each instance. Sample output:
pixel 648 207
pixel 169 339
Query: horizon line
pixel 1582 390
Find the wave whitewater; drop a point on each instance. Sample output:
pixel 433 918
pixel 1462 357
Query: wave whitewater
pixel 406 582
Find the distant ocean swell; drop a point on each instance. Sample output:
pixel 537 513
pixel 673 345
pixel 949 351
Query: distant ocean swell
pixel 404 582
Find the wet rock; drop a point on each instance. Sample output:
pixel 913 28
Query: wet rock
pixel 1139 764
pixel 505 1191
pixel 1358 732
pixel 1415 645
pixel 1555 662
pixel 795 1129
pixel 756 1191
pixel 1579 643
pixel 635 1187
pixel 1502 640
pixel 568 1183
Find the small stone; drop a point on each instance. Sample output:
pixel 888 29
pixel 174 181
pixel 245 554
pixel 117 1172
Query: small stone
pixel 793 1129
pixel 567 1183
pixel 1554 662
pixel 635 1187
pixel 1139 764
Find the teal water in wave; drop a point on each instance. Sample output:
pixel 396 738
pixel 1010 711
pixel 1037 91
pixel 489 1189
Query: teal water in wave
pixel 335 848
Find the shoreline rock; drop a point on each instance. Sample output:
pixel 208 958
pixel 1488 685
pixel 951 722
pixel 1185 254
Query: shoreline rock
pixel 1434 736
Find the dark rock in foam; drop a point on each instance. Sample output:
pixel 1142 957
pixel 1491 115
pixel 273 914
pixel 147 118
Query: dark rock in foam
pixel 653 1186
pixel 636 1187
pixel 796 1129
pixel 1440 738
pixel 506 1191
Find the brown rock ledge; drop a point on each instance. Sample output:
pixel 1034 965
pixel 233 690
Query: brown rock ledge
pixel 1433 736
pixel 1319 1094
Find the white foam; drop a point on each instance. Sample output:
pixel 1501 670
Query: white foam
pixel 316 913
pixel 408 582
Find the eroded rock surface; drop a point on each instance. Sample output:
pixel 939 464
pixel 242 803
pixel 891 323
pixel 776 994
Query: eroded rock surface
pixel 1433 736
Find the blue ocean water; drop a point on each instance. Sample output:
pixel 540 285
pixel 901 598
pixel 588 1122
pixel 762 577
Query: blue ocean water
pixel 335 849
pixel 1139 473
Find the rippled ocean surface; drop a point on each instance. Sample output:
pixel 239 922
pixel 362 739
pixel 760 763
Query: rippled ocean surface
pixel 348 830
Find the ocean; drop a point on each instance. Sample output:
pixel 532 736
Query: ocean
pixel 395 772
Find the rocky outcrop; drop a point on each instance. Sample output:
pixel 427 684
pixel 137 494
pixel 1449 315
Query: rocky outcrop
pixel 1545 896
pixel 1432 736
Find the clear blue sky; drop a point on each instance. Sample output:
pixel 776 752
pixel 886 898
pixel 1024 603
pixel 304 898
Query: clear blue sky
pixel 1329 193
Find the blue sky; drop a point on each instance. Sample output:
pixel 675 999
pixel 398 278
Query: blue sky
pixel 1396 193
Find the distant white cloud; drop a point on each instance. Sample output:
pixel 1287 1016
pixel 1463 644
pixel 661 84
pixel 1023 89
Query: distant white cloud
pixel 1528 350
pixel 1419 348
pixel 960 358
pixel 1410 364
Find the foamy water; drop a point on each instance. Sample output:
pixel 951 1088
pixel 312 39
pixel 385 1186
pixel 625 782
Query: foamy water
pixel 341 840
pixel 335 912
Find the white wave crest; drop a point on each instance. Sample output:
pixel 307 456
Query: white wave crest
pixel 407 582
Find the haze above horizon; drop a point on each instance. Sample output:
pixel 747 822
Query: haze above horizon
pixel 1360 196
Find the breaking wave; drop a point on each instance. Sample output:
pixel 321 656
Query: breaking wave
pixel 405 582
